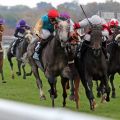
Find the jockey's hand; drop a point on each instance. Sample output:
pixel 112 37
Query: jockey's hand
pixel 76 25
pixel 73 34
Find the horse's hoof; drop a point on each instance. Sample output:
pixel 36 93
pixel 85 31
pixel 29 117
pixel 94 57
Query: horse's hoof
pixel 107 99
pixel 103 100
pixel 72 97
pixel 43 98
pixel 18 73
pixel 113 95
pixel 4 81
pixel 13 76
pixel 93 105
pixel 24 77
pixel 55 93
pixel 98 95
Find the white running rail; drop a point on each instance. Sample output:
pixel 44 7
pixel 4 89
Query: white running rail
pixel 10 110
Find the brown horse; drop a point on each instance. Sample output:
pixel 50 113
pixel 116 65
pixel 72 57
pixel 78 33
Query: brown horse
pixel 1 66
pixel 74 85
pixel 54 60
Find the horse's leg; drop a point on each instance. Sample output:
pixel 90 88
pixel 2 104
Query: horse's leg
pixel 98 90
pixel 107 88
pixel 72 96
pixel 88 89
pixel 112 85
pixel 24 72
pixel 64 86
pixel 9 56
pixel 3 81
pixel 38 80
pixel 76 83
pixel 52 82
pixel 19 67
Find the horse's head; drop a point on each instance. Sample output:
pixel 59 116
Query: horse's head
pixel 63 30
pixel 96 37
pixel 28 36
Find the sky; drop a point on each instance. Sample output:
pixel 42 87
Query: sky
pixel 32 3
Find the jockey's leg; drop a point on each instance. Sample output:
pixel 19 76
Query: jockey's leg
pixel 15 45
pixel 40 46
pixel 36 53
pixel 38 49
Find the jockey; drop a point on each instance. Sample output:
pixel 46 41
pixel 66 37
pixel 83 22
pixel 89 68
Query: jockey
pixel 44 29
pixel 1 31
pixel 19 32
pixel 94 20
pixel 111 25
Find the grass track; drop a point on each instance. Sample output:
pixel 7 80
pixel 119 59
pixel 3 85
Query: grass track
pixel 26 91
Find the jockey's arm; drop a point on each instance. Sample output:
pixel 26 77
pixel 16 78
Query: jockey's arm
pixel 38 27
pixel 18 34
pixel 82 24
pixel 105 34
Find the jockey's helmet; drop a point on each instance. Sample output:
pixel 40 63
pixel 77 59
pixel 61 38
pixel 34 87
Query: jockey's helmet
pixel 22 23
pixel 64 16
pixel 2 21
pixel 53 13
pixel 113 22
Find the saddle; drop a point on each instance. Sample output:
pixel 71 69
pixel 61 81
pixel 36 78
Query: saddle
pixel 15 44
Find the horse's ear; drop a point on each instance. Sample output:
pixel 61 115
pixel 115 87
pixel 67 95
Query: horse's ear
pixel 59 20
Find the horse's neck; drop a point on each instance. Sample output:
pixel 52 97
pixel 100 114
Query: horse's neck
pixel 96 40
pixel 57 49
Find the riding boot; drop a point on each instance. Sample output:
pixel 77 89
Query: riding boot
pixel 40 46
pixel 105 50
pixel 83 48
pixel 36 54
pixel 15 45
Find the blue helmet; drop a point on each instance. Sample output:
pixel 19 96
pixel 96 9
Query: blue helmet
pixel 2 21
pixel 22 23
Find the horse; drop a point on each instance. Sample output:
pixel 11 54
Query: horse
pixel 20 50
pixel 53 62
pixel 92 66
pixel 74 84
pixel 1 66
pixel 113 48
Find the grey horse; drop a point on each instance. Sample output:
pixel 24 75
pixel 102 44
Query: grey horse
pixel 20 50
pixel 54 61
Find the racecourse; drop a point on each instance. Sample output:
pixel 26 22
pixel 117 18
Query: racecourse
pixel 26 91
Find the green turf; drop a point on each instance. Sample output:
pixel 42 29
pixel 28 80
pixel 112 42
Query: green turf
pixel 26 91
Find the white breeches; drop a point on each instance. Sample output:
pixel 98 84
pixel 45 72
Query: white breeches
pixel 45 34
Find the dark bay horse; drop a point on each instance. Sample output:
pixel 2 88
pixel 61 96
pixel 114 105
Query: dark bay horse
pixel 20 50
pixel 92 66
pixel 54 61
pixel 113 49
